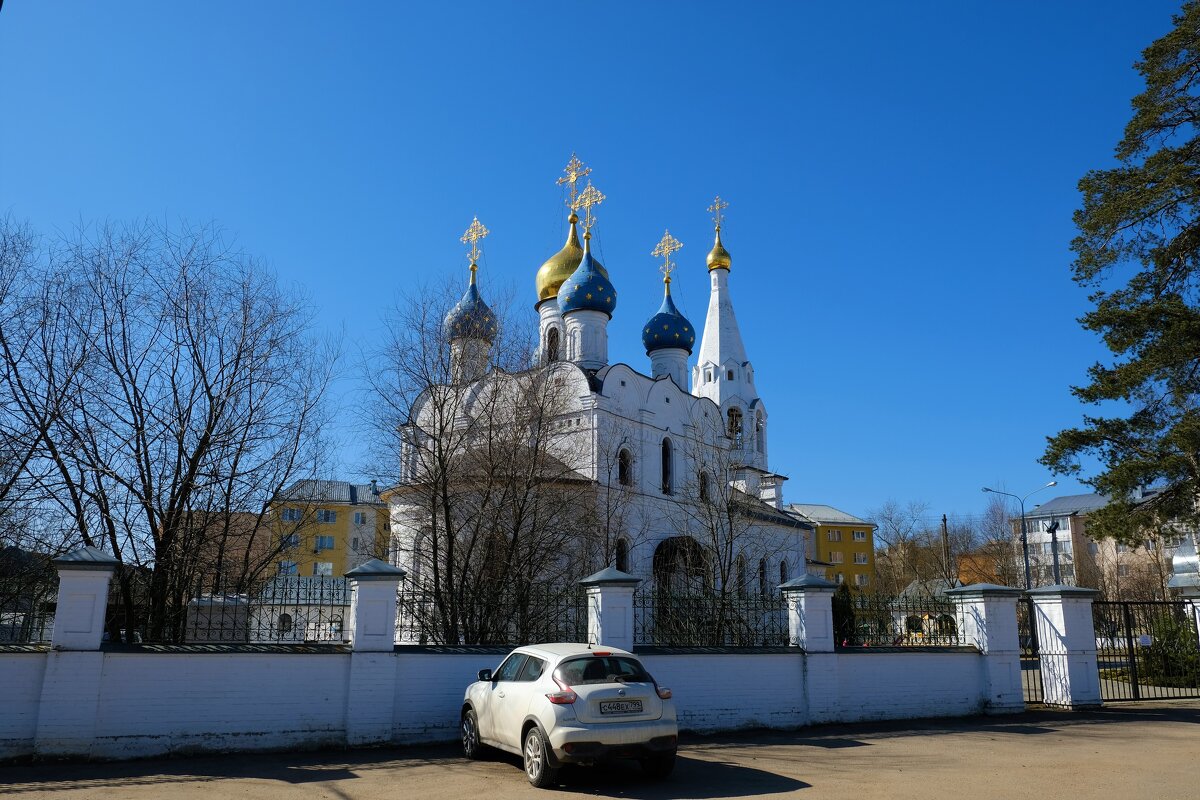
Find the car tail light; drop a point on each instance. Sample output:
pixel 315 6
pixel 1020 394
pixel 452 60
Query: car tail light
pixel 663 693
pixel 602 653
pixel 563 698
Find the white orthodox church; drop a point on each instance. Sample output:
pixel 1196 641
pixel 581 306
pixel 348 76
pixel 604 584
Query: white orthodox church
pixel 671 437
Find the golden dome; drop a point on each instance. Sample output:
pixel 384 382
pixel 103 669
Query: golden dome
pixel 718 257
pixel 562 265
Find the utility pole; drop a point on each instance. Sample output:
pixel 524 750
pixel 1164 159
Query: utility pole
pixel 951 577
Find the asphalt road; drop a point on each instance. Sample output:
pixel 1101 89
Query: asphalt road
pixel 1142 750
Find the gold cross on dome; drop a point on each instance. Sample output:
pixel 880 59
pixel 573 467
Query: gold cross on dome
pixel 590 196
pixel 666 246
pixel 718 205
pixel 574 171
pixel 472 236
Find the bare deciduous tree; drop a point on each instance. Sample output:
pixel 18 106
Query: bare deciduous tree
pixel 175 389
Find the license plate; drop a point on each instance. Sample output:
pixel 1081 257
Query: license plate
pixel 620 706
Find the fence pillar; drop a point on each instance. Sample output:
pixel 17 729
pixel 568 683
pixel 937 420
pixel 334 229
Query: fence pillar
pixel 989 619
pixel 610 607
pixel 371 696
pixel 810 613
pixel 83 578
pixel 374 587
pixel 1067 646
pixel 70 698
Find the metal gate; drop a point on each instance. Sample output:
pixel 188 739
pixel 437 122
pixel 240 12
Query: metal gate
pixel 1031 665
pixel 1146 650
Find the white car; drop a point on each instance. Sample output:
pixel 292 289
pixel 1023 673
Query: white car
pixel 556 704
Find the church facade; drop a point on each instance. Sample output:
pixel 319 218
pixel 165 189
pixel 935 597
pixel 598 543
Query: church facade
pixel 680 454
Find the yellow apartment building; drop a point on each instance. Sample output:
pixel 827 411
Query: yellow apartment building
pixel 328 527
pixel 842 542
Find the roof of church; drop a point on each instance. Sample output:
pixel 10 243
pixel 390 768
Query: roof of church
pixel 668 328
pixel 588 288
pixel 471 318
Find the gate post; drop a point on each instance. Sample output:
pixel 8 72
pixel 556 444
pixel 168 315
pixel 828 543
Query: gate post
pixel 371 693
pixel 810 613
pixel 989 615
pixel 610 607
pixel 1067 646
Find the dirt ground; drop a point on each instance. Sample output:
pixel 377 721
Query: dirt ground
pixel 1130 750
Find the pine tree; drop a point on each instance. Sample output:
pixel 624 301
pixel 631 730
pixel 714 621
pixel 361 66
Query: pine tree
pixel 1138 251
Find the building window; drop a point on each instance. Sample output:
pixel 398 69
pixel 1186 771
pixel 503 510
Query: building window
pixel 285 623
pixel 1123 570
pixel 360 518
pixel 861 580
pixel 354 544
pixel 622 555
pixel 667 466
pixel 288 568
pixel 729 374
pixel 841 578
pixel 552 345
pixel 760 433
pixel 835 556
pixel 290 515
pixel 762 576
pixel 833 535
pixel 734 425
pixel 704 486
pixel 783 572
pixel 290 540
pixel 326 516
pixel 625 468
pixel 743 587
pixel 860 536
pixel 322 568
pixel 324 543
pixel 860 558
pixel 1093 548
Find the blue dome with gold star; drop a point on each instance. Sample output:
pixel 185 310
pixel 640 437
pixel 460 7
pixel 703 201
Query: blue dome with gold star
pixel 668 328
pixel 587 289
pixel 471 318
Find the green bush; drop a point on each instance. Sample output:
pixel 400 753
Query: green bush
pixel 1173 657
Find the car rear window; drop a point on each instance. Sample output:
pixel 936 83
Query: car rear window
pixel 602 669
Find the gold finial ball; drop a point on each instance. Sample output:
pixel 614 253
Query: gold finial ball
pixel 718 257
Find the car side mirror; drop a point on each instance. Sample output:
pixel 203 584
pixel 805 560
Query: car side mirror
pixel 485 674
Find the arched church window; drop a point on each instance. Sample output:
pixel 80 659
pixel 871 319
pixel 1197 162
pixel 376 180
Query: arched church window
pixel 667 466
pixel 783 571
pixel 704 491
pixel 743 587
pixel 625 468
pixel 552 345
pixel 762 576
pixel 760 432
pixel 623 555
pixel 734 425
pixel 729 374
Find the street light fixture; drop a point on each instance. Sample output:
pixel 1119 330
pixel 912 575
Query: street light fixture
pixel 1024 536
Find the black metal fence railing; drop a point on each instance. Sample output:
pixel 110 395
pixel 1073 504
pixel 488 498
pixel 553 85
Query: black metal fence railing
pixel 27 611
pixel 1031 665
pixel 878 621
pixel 504 615
pixel 274 610
pixel 666 619
pixel 1146 650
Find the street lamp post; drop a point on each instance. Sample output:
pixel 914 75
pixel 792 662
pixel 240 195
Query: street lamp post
pixel 1024 535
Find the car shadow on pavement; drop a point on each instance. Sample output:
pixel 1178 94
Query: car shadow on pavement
pixel 693 778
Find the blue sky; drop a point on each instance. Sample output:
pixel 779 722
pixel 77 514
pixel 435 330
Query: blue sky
pixel 901 179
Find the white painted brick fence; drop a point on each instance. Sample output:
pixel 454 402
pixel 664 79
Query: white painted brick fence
pixel 79 700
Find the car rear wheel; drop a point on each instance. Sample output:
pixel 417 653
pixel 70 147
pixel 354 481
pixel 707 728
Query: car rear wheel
pixel 659 766
pixel 537 759
pixel 472 747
